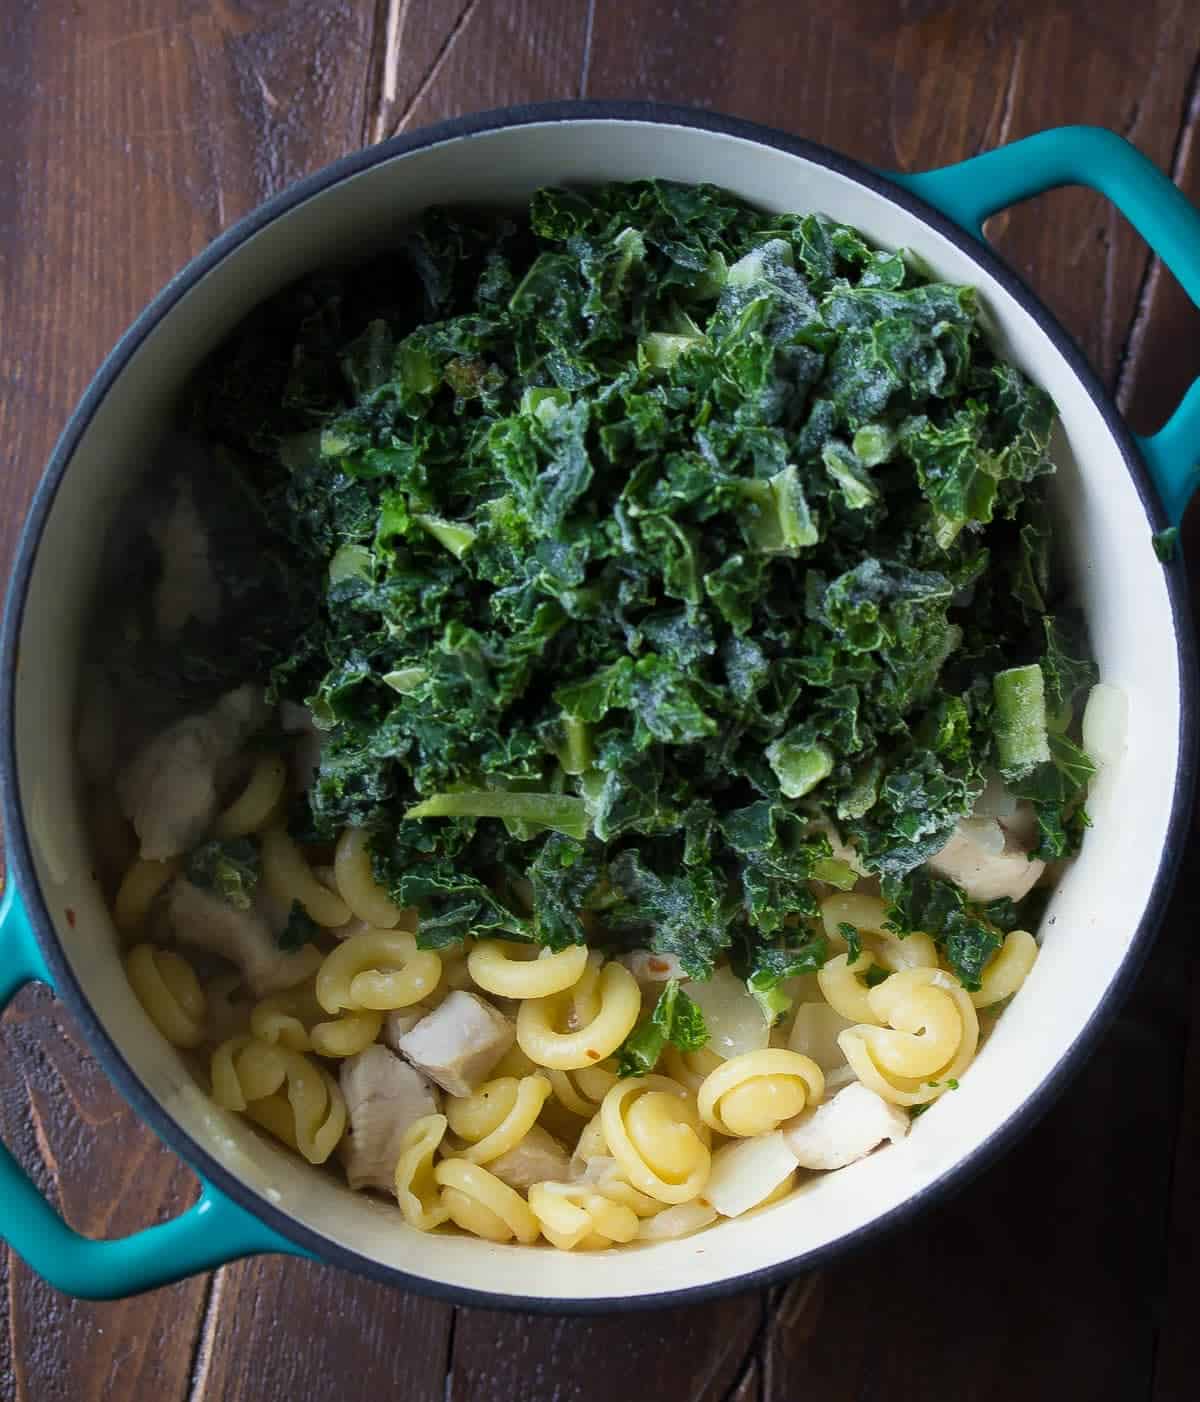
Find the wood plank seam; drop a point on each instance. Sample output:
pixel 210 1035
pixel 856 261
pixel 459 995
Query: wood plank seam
pixel 387 127
pixel 202 1348
pixel 585 69
pixel 1152 272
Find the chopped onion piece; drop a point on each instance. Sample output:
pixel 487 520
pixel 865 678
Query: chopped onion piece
pixel 995 801
pixel 681 1220
pixel 734 1020
pixel 747 1171
pixel 1105 723
pixel 815 1032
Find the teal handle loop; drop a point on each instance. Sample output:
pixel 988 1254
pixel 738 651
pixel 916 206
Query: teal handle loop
pixel 210 1233
pixel 972 190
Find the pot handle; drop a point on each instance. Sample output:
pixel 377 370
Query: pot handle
pixel 211 1232
pixel 974 189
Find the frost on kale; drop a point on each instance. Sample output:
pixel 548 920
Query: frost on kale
pixel 626 543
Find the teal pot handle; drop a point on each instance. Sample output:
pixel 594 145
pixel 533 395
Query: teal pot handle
pixel 972 190
pixel 211 1232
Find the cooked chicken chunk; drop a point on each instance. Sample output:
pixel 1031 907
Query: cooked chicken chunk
pixel 384 1096
pixel 845 1128
pixel 459 1042
pixel 170 789
pixel 399 1022
pixel 987 861
pixel 200 918
pixel 538 1158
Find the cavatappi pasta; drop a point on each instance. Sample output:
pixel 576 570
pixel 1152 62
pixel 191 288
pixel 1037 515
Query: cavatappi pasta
pixel 546 1141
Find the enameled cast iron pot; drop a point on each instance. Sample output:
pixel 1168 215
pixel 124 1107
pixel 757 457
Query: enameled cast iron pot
pixel 1113 492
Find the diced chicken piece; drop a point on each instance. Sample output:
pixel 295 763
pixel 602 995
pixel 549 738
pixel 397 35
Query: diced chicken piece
pixel 987 861
pixel 170 789
pixel 187 587
pixel 538 1158
pixel 384 1096
pixel 200 918
pixel 458 1043
pixel 843 1129
pixel 398 1023
pixel 648 967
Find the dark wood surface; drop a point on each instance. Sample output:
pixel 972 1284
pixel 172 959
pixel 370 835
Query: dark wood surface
pixel 133 132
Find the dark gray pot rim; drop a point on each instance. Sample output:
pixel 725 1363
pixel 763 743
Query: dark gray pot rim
pixel 20 856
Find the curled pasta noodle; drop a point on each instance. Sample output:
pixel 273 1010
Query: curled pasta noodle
pixel 246 1072
pixel 497 1116
pixel 652 1128
pixel 755 1092
pixel 690 1069
pixel 479 1203
pixel 513 970
pixel 1007 969
pixel 572 1214
pixel 380 970
pixel 843 988
pixel 256 804
pixel 416 1190
pixel 167 987
pixel 455 973
pixel 868 914
pixel 295 1019
pixel 617 1003
pixel 289 878
pixel 606 1178
pixel 356 884
pixel 581 1091
pixel 924 1034
pixel 135 895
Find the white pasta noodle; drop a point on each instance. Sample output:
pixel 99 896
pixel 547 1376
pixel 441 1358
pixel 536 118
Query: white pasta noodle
pixel 754 1093
pixel 845 992
pixel 513 970
pixel 582 1090
pixel 296 1020
pixel 380 970
pixel 255 806
pixel 497 1116
pixel 617 1002
pixel 573 1214
pixel 652 1128
pixel 481 1204
pixel 357 886
pixel 1007 969
pixel 868 914
pixel 289 878
pixel 142 881
pixel 416 1188
pixel 167 987
pixel 924 1035
pixel 247 1072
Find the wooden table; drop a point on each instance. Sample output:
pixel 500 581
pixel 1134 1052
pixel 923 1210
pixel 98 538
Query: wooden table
pixel 133 132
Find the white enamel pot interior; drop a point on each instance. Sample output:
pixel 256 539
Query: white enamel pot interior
pixel 1100 917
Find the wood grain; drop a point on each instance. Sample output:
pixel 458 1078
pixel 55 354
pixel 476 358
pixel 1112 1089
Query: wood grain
pixel 135 130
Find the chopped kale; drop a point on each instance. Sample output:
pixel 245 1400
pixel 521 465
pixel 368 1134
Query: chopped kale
pixel 675 1019
pixel 621 546
pixel 301 929
pixel 227 869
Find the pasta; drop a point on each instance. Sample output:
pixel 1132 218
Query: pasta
pixel 754 1093
pixel 654 1132
pixel 247 1072
pixel 923 1034
pixel 416 1188
pixel 572 1214
pixel 295 1019
pixel 256 804
pixel 608 1007
pixel 498 1116
pixel 142 881
pixel 582 1090
pixel 1007 969
pixel 523 971
pixel 481 1204
pixel 356 884
pixel 167 987
pixel 289 879
pixel 380 969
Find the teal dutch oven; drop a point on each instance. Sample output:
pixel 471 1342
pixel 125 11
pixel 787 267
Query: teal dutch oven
pixel 1115 491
